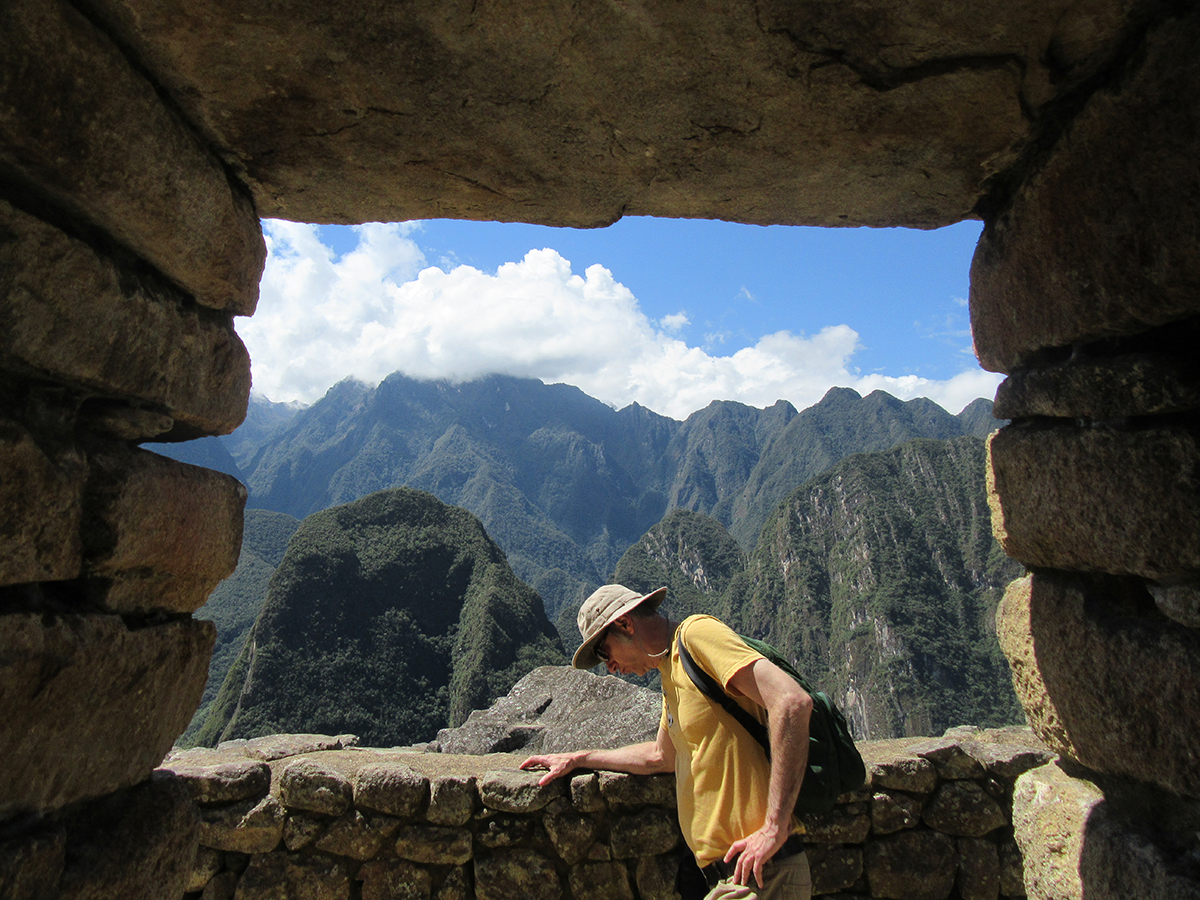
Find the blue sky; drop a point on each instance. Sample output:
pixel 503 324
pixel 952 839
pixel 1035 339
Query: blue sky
pixel 671 313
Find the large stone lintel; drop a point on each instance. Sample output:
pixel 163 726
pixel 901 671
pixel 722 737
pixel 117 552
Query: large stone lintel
pixel 92 706
pixel 80 123
pixel 1105 680
pixel 1105 239
pixel 72 315
pixel 1098 499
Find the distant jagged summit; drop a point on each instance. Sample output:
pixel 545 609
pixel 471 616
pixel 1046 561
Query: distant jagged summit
pixel 390 617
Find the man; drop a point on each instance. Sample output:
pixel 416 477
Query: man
pixel 735 805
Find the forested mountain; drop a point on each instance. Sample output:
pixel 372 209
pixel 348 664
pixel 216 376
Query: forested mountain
pixel 562 482
pixel 389 617
pixel 237 601
pixel 880 578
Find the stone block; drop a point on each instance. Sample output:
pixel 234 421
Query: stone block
pixel 434 845
pixel 394 879
pixel 167 533
pixel 646 833
pixel 572 834
pixel 31 866
pixel 300 829
pixel 893 811
pixel 286 876
pixel 912 865
pixel 516 791
pixel 834 868
pixel 496 831
pixel 1105 238
pixel 93 133
pixel 1012 869
pixel 622 791
pixel 355 836
pixel 280 746
pixel 1180 602
pixel 75 316
pixel 41 507
pixel 451 800
pixel 208 864
pixel 600 881
pixel 963 809
pixel 92 705
pixel 308 785
pixel 455 886
pixel 1102 387
pixel 1097 499
pixel 840 825
pixel 211 779
pixel 978 869
pixel 952 759
pixel 904 773
pixel 248 826
pixel 222 886
pixel 585 793
pixel 517 873
pixel 392 789
pixel 1050 814
pixel 1082 660
pixel 655 877
pixel 139 843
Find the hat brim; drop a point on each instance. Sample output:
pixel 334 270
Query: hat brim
pixel 585 657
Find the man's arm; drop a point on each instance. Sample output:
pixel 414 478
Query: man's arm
pixel 789 708
pixel 649 758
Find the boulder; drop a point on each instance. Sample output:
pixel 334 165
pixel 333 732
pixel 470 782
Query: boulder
pixel 286 876
pixel 1096 675
pixel 912 865
pixel 516 873
pixel 555 709
pixel 512 791
pixel 600 881
pixel 964 809
pixel 308 785
pixel 212 778
pixel 394 879
pixel 394 789
pixel 90 704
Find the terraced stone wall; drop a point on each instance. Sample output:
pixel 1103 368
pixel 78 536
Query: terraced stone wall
pixel 318 817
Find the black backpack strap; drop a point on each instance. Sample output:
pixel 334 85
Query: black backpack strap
pixel 711 688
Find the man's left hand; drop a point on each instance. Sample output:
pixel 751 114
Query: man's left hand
pixel 753 852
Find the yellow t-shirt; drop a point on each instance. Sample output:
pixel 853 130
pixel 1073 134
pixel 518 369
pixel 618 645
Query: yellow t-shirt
pixel 722 774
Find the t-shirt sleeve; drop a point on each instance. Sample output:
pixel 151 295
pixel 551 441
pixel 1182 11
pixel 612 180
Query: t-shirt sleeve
pixel 662 719
pixel 716 648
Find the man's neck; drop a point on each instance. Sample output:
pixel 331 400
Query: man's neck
pixel 657 636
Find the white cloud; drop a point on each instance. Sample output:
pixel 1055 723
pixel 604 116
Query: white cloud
pixel 380 309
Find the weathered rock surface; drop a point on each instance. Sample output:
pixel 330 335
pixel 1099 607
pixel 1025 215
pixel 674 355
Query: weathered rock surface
pixel 282 876
pixel 63 301
pixel 212 777
pixel 555 709
pixel 1056 503
pixel 392 789
pixel 1082 659
pixel 306 784
pixel 39 540
pixel 912 865
pixel 166 533
pixel 248 826
pixel 91 131
pixel 519 873
pixel 90 704
pixel 138 844
pixel 487 115
pixel 1076 258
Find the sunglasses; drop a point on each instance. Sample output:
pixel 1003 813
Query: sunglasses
pixel 599 648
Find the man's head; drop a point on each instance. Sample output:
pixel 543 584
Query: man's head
pixel 602 609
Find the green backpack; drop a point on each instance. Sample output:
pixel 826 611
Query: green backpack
pixel 834 763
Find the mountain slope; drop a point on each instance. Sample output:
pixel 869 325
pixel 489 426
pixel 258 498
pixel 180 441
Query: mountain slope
pixel 881 578
pixel 389 617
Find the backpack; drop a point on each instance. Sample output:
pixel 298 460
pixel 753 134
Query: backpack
pixel 834 763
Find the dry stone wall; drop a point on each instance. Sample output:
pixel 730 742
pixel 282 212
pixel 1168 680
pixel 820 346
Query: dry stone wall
pixel 313 816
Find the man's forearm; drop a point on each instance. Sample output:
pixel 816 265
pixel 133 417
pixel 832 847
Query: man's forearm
pixel 788 726
pixel 637 759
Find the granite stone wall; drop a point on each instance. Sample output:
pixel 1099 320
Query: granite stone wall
pixel 319 817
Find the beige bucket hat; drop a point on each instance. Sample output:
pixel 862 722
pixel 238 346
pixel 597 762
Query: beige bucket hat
pixel 603 608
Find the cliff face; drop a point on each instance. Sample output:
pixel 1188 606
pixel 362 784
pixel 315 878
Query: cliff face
pixel 880 579
pixel 389 617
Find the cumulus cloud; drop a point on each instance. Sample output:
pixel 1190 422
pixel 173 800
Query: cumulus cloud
pixel 380 308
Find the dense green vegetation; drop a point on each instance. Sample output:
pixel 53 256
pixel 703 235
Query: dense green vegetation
pixel 389 618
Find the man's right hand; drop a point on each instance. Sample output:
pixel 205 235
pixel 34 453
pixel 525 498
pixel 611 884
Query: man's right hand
pixel 559 764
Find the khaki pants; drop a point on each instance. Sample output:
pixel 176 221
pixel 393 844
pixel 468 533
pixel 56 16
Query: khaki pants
pixel 787 879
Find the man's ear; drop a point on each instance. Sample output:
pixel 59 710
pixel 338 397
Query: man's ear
pixel 624 624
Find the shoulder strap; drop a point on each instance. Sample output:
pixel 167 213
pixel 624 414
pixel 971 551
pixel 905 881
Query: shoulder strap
pixel 711 688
